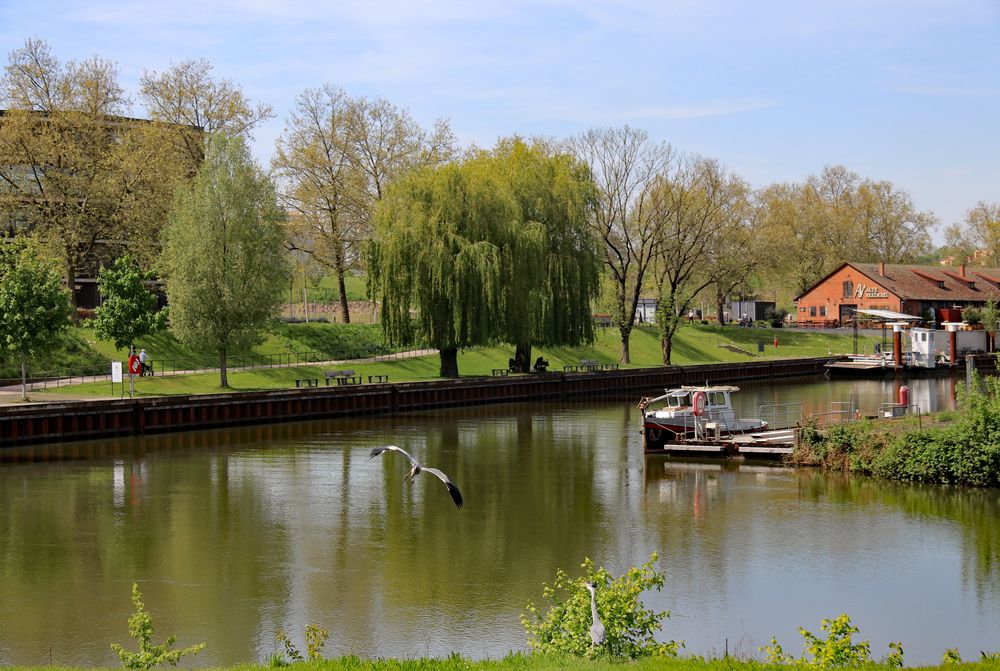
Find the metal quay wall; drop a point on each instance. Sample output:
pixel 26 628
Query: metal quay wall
pixel 79 420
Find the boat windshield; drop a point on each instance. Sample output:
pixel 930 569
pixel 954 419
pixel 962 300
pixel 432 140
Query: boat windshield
pixel 679 399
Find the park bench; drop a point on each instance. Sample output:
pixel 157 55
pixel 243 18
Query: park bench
pixel 342 377
pixel 585 364
pixel 307 382
pixel 500 372
pixel 378 378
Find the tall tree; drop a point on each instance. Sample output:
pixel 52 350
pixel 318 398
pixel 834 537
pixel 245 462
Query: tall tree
pixel 333 162
pixel 224 257
pixel 554 261
pixel 698 210
pixel 438 251
pixel 625 166
pixel 186 94
pixel 34 307
pixel 891 225
pixel 85 182
pixel 978 236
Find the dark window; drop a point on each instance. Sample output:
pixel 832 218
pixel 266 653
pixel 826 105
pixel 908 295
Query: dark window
pixel 822 311
pixel 812 310
pixel 848 288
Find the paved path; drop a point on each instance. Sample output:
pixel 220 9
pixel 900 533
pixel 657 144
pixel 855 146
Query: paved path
pixel 11 395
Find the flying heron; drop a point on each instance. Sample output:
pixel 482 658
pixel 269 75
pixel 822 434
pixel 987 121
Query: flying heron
pixel 416 467
pixel 597 632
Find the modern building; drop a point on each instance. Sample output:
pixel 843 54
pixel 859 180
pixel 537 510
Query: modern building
pixel 921 291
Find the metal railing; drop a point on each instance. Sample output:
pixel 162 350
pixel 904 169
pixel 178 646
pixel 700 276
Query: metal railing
pixel 780 415
pixel 202 364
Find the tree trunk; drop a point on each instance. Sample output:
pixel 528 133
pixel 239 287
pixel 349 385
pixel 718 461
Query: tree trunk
pixel 345 311
pixel 342 288
pixel 24 378
pixel 626 332
pixel 71 285
pixel 223 377
pixel 449 362
pixel 522 359
pixel 720 309
pixel 666 345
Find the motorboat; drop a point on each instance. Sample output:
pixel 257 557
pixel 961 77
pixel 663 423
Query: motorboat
pixel 694 412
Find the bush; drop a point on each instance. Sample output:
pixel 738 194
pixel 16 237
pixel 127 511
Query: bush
pixel 140 627
pixel 565 626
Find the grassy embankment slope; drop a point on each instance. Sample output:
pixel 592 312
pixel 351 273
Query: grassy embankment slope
pixel 696 344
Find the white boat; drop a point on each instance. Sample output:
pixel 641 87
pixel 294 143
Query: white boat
pixel 694 412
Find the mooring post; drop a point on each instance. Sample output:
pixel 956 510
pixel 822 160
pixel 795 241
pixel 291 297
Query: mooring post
pixel 970 369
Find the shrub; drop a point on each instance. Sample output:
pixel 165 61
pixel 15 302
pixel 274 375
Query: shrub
pixel 140 627
pixel 565 626
pixel 836 650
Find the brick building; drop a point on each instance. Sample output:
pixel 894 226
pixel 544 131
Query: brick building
pixel 912 290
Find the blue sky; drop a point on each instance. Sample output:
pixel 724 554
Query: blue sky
pixel 902 90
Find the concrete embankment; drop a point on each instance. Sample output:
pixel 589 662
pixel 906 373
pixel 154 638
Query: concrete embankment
pixel 78 420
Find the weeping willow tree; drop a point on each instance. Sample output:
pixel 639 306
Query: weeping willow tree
pixel 552 261
pixel 436 259
pixel 494 249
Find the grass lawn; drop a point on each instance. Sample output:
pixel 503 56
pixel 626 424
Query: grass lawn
pixel 695 344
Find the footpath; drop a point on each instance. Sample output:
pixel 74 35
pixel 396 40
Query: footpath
pixel 11 395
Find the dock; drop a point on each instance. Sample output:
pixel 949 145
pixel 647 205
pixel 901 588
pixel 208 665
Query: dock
pixel 772 445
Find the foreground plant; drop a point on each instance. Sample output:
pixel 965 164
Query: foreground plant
pixel 837 650
pixel 140 627
pixel 564 627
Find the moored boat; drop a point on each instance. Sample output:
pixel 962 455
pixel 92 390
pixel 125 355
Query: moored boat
pixel 700 420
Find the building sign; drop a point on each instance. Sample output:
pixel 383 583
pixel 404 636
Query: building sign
pixel 861 291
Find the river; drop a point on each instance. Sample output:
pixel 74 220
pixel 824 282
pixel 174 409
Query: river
pixel 236 534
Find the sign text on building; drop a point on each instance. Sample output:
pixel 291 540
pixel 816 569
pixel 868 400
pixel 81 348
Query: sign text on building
pixel 861 291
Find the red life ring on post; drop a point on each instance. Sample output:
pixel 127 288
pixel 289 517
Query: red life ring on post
pixel 134 365
pixel 698 400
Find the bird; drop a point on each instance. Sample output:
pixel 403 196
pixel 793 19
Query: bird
pixel 597 632
pixel 417 467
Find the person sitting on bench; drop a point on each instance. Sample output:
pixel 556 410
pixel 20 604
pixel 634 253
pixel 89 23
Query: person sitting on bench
pixel 541 365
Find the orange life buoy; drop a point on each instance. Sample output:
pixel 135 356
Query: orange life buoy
pixel 134 365
pixel 698 400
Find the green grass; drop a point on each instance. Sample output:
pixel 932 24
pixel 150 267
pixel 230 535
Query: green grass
pixel 537 662
pixel 695 344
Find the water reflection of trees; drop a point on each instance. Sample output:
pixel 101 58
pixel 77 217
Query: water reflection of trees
pixel 975 511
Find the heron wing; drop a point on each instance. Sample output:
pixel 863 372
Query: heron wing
pixel 456 495
pixel 379 450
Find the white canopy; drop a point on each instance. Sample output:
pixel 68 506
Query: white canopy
pixel 888 314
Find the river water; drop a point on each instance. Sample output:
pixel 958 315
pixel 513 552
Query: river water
pixel 236 534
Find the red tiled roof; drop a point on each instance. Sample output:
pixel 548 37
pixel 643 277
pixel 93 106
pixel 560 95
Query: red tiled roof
pixel 922 282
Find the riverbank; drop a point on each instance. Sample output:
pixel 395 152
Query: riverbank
pixel 526 662
pixel 64 421
pixel 960 447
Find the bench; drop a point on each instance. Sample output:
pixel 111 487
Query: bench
pixel 378 378
pixel 307 382
pixel 500 372
pixel 342 377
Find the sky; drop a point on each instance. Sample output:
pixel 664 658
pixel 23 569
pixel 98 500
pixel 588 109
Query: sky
pixel 901 90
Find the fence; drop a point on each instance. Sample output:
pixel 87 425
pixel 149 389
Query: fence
pixel 204 364
pixel 780 415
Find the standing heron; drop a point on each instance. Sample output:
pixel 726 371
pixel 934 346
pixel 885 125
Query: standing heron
pixel 597 632
pixel 416 467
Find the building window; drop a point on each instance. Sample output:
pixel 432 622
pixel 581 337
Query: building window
pixel 848 289
pixel 822 311
pixel 812 310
